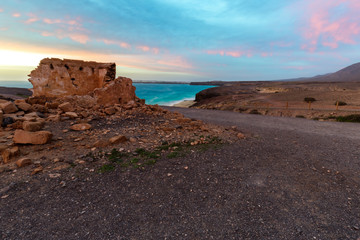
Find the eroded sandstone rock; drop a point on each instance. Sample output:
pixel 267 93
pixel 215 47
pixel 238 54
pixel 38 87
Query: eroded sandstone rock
pixel 8 107
pixel 32 126
pixel 120 91
pixel 57 78
pixel 25 137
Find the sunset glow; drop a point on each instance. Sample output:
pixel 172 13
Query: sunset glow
pixel 185 40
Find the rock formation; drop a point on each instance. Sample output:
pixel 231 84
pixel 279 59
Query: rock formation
pixel 59 78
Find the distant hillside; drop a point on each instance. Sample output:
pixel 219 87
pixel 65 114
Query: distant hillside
pixel 348 74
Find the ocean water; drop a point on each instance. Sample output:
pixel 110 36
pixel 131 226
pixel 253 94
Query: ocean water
pixel 162 94
pixel 167 94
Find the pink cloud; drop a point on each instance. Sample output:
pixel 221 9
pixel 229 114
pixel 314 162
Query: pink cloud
pixel 32 18
pixel 67 28
pixel 118 43
pixel 81 38
pixel 3 29
pixel 16 15
pixel 1 10
pixel 323 29
pixel 215 52
pixel 143 48
pixel 266 54
pixel 155 50
pixel 77 37
pixel 232 53
pixel 175 61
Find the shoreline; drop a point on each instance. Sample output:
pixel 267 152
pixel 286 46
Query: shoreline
pixel 184 104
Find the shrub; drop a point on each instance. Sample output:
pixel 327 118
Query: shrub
pixel 340 103
pixel 309 99
pixel 349 118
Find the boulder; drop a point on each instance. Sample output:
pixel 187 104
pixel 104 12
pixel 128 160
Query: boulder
pixel 23 106
pixel 26 137
pixel 80 127
pixel 66 107
pixel 8 107
pixel 32 126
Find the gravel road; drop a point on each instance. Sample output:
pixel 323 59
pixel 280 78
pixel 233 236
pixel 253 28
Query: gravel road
pixel 289 179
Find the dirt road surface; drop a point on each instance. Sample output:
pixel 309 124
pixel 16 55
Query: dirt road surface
pixel 289 179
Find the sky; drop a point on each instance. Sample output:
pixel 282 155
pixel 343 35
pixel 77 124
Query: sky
pixel 183 40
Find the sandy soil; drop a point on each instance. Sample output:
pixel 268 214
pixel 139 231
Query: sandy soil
pixel 185 104
pixel 284 98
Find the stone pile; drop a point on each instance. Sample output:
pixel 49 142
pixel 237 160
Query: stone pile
pixel 63 90
pixel 61 120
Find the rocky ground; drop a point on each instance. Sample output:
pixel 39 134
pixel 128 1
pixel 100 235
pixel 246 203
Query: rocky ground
pixel 288 179
pixel 284 99
pixel 48 137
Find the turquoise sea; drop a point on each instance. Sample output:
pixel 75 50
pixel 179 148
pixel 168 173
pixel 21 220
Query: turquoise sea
pixel 162 94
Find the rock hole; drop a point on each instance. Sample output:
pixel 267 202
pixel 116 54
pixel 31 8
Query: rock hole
pixel 51 66
pixel 81 68
pixel 72 79
pixel 66 66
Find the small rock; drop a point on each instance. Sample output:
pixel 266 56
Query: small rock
pixel 22 162
pixel 110 110
pixel 240 136
pixel 80 127
pixel 66 107
pixel 8 107
pixel 54 175
pixel 9 153
pixel 33 126
pixel 7 121
pixel 117 139
pixel 54 118
pixel 132 139
pixel 62 166
pixel 25 137
pixel 38 108
pixel 71 115
pixel 37 170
